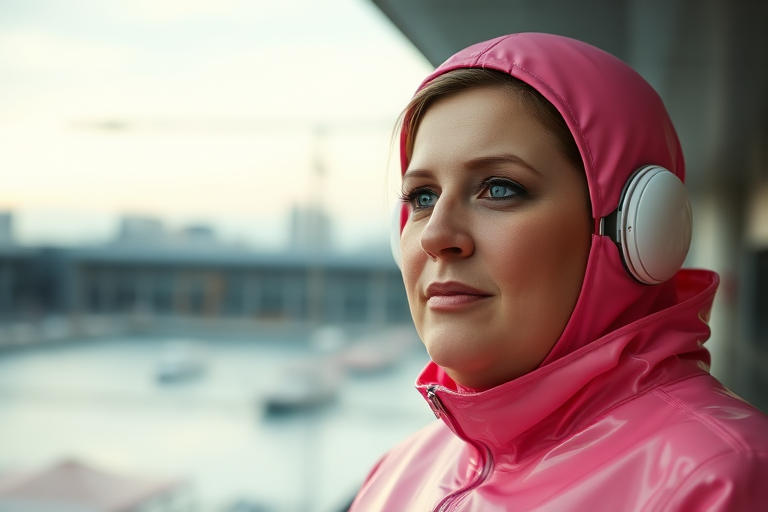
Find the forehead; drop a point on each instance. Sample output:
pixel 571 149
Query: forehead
pixel 474 122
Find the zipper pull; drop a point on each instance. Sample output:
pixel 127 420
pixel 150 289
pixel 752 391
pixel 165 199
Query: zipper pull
pixel 434 402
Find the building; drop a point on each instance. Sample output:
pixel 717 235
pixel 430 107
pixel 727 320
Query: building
pixel 214 283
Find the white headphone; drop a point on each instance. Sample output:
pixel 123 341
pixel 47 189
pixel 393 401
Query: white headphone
pixel 652 225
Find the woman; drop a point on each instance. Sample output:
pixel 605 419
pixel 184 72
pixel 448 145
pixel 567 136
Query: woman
pixel 567 369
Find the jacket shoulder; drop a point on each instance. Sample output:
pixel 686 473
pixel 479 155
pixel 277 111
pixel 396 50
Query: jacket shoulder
pixel 727 482
pixel 729 423
pixel 729 438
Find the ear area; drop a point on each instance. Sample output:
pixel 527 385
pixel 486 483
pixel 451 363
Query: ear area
pixel 654 224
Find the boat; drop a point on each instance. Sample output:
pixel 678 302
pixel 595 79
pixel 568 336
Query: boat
pixel 377 351
pixel 179 361
pixel 303 386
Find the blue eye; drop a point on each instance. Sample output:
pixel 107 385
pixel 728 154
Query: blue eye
pixel 503 189
pixel 424 199
pixel 500 191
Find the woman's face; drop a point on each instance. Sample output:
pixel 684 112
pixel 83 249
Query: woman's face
pixel 496 245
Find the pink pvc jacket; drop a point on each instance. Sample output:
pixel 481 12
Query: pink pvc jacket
pixel 622 415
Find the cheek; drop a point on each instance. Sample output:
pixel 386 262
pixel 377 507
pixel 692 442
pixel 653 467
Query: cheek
pixel 540 267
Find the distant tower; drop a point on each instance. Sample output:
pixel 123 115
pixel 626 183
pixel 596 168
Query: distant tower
pixel 311 225
pixel 199 235
pixel 140 230
pixel 6 228
pixel 310 229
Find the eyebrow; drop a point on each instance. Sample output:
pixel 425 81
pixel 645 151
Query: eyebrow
pixel 502 158
pixel 479 163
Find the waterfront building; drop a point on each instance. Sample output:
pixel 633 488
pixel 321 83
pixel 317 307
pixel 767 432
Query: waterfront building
pixel 213 282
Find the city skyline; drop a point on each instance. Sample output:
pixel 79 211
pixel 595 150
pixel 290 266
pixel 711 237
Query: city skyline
pixel 87 86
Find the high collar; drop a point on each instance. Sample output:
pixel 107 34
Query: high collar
pixel 528 414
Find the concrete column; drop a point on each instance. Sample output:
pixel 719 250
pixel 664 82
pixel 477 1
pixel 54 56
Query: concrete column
pixel 6 288
pixel 716 245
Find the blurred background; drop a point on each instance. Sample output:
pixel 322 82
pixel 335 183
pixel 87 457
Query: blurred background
pixel 198 308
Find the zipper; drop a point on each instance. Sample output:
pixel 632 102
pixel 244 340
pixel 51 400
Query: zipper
pixel 434 402
pixel 441 412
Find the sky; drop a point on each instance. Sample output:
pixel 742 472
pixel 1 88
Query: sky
pixel 216 112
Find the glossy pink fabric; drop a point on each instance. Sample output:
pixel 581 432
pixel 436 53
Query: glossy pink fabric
pixel 623 414
pixel 634 422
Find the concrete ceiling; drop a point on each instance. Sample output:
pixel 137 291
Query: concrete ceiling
pixel 707 58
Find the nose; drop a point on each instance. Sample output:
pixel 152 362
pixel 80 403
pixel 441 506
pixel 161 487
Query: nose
pixel 447 234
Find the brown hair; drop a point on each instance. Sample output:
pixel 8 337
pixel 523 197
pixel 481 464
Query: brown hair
pixel 464 79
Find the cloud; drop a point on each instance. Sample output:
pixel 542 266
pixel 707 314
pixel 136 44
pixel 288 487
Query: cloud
pixel 32 50
pixel 184 62
pixel 170 12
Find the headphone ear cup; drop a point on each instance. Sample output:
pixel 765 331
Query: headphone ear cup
pixel 399 215
pixel 655 225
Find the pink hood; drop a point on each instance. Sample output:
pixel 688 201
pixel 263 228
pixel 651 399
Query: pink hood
pixel 619 124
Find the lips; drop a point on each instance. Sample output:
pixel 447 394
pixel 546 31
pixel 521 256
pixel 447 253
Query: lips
pixel 453 295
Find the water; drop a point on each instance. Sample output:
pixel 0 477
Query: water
pixel 99 402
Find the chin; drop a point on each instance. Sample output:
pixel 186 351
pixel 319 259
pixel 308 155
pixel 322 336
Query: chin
pixel 478 360
pixel 460 354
